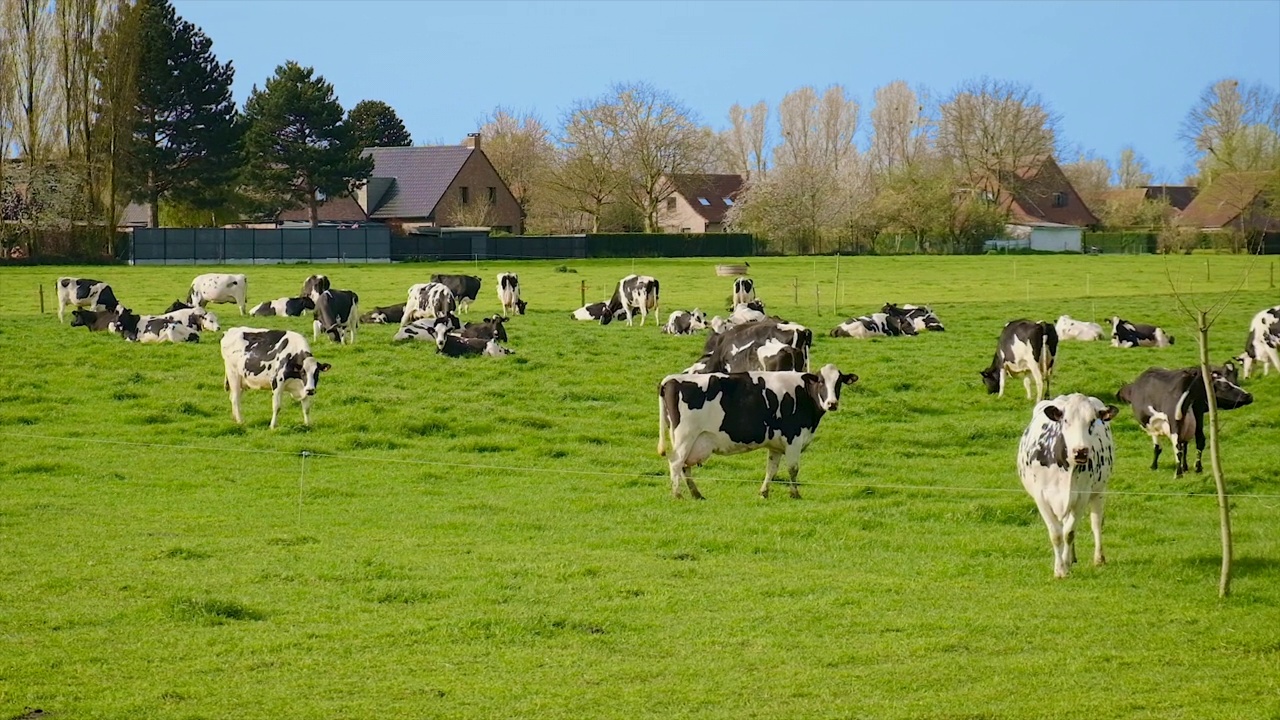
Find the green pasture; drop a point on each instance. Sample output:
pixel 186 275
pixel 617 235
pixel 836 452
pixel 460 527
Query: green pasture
pixel 495 537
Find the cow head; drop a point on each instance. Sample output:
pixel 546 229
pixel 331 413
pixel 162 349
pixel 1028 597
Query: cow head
pixel 83 318
pixel 1230 371
pixel 125 324
pixel 1076 414
pixel 308 303
pixel 1227 393
pixel 824 387
pixel 207 320
pixel 520 306
pixel 991 378
pixel 697 320
pixel 499 330
pixel 304 368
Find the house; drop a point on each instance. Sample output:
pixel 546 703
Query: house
pixel 698 203
pixel 1236 201
pixel 340 211
pixel 1044 208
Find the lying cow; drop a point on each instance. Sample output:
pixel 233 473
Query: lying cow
pixel 284 307
pixel 93 295
pixel 93 321
pixel 422 329
pixel 748 312
pixel 313 287
pixel 178 326
pixel 1261 344
pixel 726 414
pixel 636 293
pixel 384 315
pixel 465 288
pixel 921 317
pixel 218 288
pixel 491 328
pixel 452 344
pixel 736 349
pixel 279 360
pixel 1125 334
pixel 337 315
pixel 1064 461
pixel 599 312
pixel 1172 404
pixel 1024 347
pixel 428 301
pixel 1069 328
pixel 875 325
pixel 509 294
pixel 681 322
pixel 744 291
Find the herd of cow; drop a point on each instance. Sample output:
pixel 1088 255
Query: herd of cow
pixel 751 388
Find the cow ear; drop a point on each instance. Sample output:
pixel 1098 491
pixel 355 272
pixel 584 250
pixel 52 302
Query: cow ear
pixel 1108 413
pixel 323 367
pixel 1053 412
pixel 809 378
pixel 849 379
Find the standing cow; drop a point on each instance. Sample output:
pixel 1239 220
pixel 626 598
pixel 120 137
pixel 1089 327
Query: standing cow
pixel 744 291
pixel 636 292
pixel 1262 343
pixel 1024 347
pixel 281 360
pixel 509 294
pixel 465 288
pixel 1172 404
pixel 428 301
pixel 337 315
pixel 313 287
pixel 1064 461
pixel 218 288
pixel 93 295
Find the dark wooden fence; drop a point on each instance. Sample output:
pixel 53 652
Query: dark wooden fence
pixel 235 246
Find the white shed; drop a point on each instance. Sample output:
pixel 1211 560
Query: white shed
pixel 1048 236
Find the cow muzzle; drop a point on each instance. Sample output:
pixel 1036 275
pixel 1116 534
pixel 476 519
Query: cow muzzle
pixel 1080 456
pixel 310 392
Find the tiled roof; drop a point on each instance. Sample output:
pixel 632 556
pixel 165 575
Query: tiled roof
pixel 1221 203
pixel 421 175
pixel 712 188
pixel 342 209
pixel 1031 192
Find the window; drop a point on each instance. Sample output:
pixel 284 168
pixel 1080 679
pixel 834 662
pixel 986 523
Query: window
pixel 728 201
pixel 465 193
pixel 704 201
pixel 1059 199
pixel 493 196
pixel 685 230
pixel 671 204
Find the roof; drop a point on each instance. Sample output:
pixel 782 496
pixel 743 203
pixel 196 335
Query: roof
pixel 421 176
pixel 1224 201
pixel 1030 193
pixel 342 209
pixel 1179 196
pixel 135 215
pixel 718 192
pixel 1128 196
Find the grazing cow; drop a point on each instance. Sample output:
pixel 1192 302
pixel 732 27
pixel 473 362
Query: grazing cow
pixel 922 317
pixel 1125 334
pixel 750 312
pixel 735 350
pixel 1172 404
pixel 744 291
pixel 258 359
pixel 384 315
pixel 636 292
pixel 875 325
pixel 313 287
pixel 681 322
pixel 491 328
pixel 1262 343
pixel 1024 347
pixel 726 414
pixel 94 321
pixel 92 295
pixel 599 312
pixel 1071 329
pixel 429 301
pixel 1064 461
pixel 509 294
pixel 465 288
pixel 285 307
pixel 337 315
pixel 218 288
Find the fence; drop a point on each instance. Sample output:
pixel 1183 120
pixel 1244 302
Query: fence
pixel 434 244
pixel 1126 243
pixel 79 244
pixel 213 246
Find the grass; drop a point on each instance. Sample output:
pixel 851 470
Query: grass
pixel 495 537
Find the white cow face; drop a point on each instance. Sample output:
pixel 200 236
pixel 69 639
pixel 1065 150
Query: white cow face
pixel 208 321
pixel 828 390
pixel 1076 414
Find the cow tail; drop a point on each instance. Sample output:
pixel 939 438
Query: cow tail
pixel 1047 353
pixel 662 423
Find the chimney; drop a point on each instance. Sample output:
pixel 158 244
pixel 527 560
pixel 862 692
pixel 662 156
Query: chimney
pixel 472 141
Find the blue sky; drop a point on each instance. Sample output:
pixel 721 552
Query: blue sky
pixel 1118 72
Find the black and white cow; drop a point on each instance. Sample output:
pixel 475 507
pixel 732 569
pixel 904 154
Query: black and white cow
pixel 737 349
pixel 744 291
pixel 422 329
pixel 1071 329
pixel 1064 461
pixel 428 301
pixel 1172 403
pixel 1024 347
pixel 875 325
pixel 93 321
pixel 384 315
pixel 726 414
pixel 599 312
pixel 313 287
pixel 284 307
pixel 1262 343
pixel 509 293
pixel 218 288
pixel 683 322
pixel 1125 334
pixel 922 317
pixel 747 312
pixel 279 360
pixel 453 344
pixel 636 292
pixel 176 326
pixel 337 315
pixel 465 288
pixel 775 355
pixel 92 295
pixel 491 328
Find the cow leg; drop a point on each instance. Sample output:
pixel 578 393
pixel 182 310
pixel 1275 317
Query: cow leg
pixel 1180 456
pixel 315 330
pixel 1155 457
pixel 277 399
pixel 1026 385
pixel 1199 447
pixel 1069 538
pixel 627 309
pixel 62 304
pixel 793 468
pixel 1003 375
pixel 235 389
pixel 1056 541
pixel 305 402
pixel 1096 501
pixel 770 471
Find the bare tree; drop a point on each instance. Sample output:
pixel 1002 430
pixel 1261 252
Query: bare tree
pixel 900 127
pixel 30 44
pixel 588 172
pixel 1234 128
pixel 1132 171
pixel 991 128
pixel 736 140
pixel 758 137
pixel 798 123
pixel 1090 175
pixel 520 148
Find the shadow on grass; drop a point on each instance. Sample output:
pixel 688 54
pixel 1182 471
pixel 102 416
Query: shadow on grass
pixel 211 611
pixel 1240 566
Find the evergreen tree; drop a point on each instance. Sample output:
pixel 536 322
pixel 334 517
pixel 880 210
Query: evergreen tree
pixel 374 123
pixel 297 146
pixel 183 144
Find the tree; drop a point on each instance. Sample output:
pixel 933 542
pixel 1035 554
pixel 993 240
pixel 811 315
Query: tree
pixel 1132 171
pixel 29 44
pixel 588 172
pixel 1090 175
pixel 900 129
pixel 184 135
pixel 993 128
pixel 1234 128
pixel 374 123
pixel 747 139
pixel 520 148
pixel 114 107
pixel 297 146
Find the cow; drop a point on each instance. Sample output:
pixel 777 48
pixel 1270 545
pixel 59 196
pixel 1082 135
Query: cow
pixel 509 294
pixel 748 312
pixel 147 329
pixel 1069 328
pixel 258 359
pixel 744 291
pixel 875 325
pixel 921 317
pixel 491 328
pixel 428 301
pixel 1172 403
pixel 384 315
pixel 93 321
pixel 1125 334
pixel 636 292
pixel 599 312
pixel 218 288
pixel 735 350
pixel 422 329
pixel 337 315
pixel 313 287
pixel 719 325
pixel 1262 342
pixel 730 413
pixel 84 293
pixel 1064 461
pixel 465 288
pixel 681 322
pixel 1024 347
pixel 775 355
pixel 284 307
pixel 452 344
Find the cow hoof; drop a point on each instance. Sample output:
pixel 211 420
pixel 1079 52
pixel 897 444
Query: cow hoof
pixel 1199 468
pixel 1155 466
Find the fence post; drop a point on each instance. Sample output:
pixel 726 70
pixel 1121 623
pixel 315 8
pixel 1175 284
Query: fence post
pixel 835 307
pixel 795 288
pixel 584 293
pixel 41 298
pixel 1273 273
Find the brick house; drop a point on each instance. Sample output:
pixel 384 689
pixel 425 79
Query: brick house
pixel 1044 208
pixel 699 203
pixel 1235 201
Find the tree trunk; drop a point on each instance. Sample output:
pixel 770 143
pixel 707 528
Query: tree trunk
pixel 153 201
pixel 313 209
pixel 1224 507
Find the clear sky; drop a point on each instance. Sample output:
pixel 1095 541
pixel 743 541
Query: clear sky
pixel 1118 72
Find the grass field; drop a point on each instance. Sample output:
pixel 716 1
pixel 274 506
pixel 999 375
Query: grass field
pixel 495 537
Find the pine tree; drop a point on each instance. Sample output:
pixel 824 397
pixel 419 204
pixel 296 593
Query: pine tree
pixel 297 146
pixel 374 123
